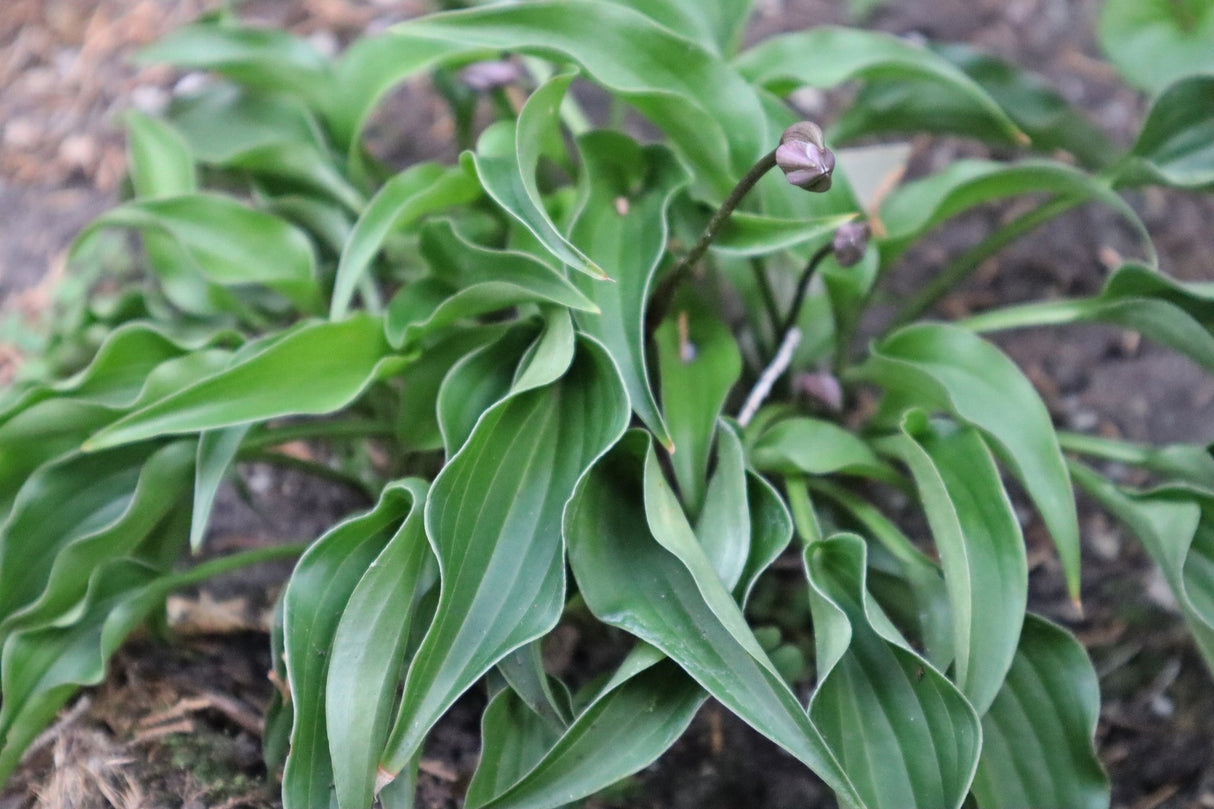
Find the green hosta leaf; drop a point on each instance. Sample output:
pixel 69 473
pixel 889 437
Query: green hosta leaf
pixel 699 363
pixel 1183 463
pixel 650 707
pixel 980 545
pixel 413 193
pixel 160 161
pixel 502 560
pixel 826 56
pixel 119 371
pixel 670 596
pixel 1176 527
pixel 547 359
pixel 713 117
pixel 929 608
pixel 913 209
pixel 321 590
pixel 316 368
pixel 908 104
pixel 1154 42
pixel 723 528
pixel 417 424
pixel 301 165
pixel 514 737
pixel 756 235
pixel 225 242
pixel 1176 144
pixel 937 366
pixel 1180 316
pixel 64 501
pixel 904 734
pixel 629 245
pixel 482 281
pixel 507 171
pixel 369 650
pixel 636 717
pixel 1037 746
pixel 75 515
pixel 807 446
pixel 546 697
pixel 223 121
pixel 41 668
pixel 216 451
pixel 717 26
pixel 259 57
pixel 478 381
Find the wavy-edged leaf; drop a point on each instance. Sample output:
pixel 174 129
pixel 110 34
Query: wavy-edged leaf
pixel 980 545
pixel 316 368
pixel 259 57
pixel 1154 42
pixel 938 366
pixel 929 609
pixel 321 586
pixel 222 121
pixel 493 517
pixel 669 595
pixel 547 359
pixel 368 654
pixel 1177 315
pixel 1176 144
pixel 226 243
pixel 161 164
pixel 1176 527
pixel 408 196
pixel 828 55
pixel 506 168
pixel 71 498
pixel 698 363
pixel 216 451
pixel 716 25
pixel 809 446
pixel 417 422
pixel 636 717
pixel 748 234
pixel 905 735
pixel 650 707
pixel 1037 738
pixel 76 514
pixel 908 104
pixel 712 115
pixel 478 381
pixel 482 281
pixel 638 183
pixel 913 209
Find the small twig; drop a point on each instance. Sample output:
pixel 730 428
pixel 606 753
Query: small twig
pixel 778 365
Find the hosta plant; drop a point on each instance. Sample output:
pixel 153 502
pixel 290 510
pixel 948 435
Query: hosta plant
pixel 588 375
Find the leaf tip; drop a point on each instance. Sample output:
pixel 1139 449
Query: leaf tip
pixel 382 779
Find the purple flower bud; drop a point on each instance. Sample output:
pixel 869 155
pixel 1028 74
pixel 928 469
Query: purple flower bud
pixel 823 388
pixel 803 157
pixel 851 240
pixel 485 76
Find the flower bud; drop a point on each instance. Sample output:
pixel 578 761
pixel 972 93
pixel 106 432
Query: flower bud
pixel 803 157
pixel 851 240
pixel 485 76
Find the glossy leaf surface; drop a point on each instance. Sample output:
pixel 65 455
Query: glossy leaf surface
pixel 502 561
pixel 903 732
pixel 944 367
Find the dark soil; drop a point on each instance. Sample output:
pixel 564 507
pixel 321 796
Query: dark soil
pixel 177 724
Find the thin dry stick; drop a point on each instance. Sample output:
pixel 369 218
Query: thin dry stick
pixel 778 365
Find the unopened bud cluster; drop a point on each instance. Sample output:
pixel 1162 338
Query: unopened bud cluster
pixel 803 157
